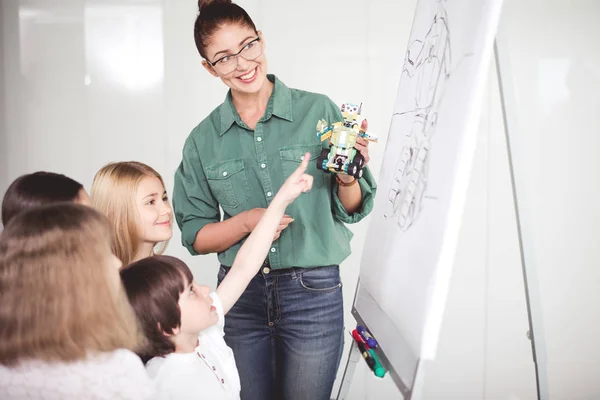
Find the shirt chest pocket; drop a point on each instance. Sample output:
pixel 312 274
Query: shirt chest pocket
pixel 292 156
pixel 228 182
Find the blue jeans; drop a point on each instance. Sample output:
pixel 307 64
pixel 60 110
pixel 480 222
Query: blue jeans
pixel 286 332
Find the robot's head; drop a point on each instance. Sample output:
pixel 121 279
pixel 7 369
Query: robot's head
pixel 350 111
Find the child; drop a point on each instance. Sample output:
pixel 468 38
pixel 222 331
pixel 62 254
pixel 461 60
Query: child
pixel 66 328
pixel 38 188
pixel 183 322
pixel 133 197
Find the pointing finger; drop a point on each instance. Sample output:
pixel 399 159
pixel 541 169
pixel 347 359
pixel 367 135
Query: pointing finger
pixel 303 165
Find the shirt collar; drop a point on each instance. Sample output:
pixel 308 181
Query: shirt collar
pixel 280 105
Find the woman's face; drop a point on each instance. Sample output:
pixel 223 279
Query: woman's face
pixel 249 76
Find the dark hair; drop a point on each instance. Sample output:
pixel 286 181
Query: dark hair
pixel 34 190
pixel 153 286
pixel 212 15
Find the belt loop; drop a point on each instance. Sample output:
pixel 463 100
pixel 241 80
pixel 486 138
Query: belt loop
pixel 293 274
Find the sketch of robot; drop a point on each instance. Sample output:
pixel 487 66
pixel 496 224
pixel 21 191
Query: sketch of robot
pixel 426 69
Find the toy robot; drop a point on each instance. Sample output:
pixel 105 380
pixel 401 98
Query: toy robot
pixel 342 157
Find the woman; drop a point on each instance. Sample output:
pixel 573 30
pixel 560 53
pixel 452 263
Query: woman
pixel 133 197
pixel 286 330
pixel 67 330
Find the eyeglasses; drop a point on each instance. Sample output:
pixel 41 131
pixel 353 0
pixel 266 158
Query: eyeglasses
pixel 225 65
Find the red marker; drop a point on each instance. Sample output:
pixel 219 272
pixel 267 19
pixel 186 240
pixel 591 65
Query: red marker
pixel 359 338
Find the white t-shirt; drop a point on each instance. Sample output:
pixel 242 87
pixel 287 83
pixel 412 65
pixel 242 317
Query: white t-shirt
pixel 116 375
pixel 207 373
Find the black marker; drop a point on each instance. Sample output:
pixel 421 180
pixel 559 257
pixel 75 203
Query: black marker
pixel 363 350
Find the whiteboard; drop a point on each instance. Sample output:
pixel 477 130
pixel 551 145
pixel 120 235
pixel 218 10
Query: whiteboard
pixel 409 250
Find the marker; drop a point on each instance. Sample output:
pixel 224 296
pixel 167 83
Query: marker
pixel 378 369
pixel 359 339
pixel 367 338
pixel 370 360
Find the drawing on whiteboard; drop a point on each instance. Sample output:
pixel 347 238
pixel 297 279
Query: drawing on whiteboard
pixel 427 67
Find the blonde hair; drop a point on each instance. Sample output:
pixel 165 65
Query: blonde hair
pixel 113 193
pixel 60 294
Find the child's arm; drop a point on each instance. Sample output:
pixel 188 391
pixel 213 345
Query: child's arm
pixel 251 255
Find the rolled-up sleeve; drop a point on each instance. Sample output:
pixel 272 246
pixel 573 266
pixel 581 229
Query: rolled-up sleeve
pixel 368 187
pixel 193 202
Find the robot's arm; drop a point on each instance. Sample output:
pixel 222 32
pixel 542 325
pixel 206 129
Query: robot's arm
pixel 324 130
pixel 367 136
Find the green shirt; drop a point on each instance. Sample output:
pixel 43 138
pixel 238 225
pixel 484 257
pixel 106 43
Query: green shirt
pixel 227 164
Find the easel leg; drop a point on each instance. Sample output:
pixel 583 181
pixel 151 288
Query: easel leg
pixel 353 359
pixel 532 295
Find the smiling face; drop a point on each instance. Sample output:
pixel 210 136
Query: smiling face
pixel 250 75
pixel 154 210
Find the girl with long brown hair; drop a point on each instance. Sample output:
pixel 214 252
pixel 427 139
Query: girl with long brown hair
pixel 66 328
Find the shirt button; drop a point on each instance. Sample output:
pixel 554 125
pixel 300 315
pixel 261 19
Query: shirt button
pixel 302 158
pixel 263 165
pixel 269 194
pixel 225 173
pixel 222 380
pixel 272 249
pixel 266 270
pixel 214 369
pixel 259 139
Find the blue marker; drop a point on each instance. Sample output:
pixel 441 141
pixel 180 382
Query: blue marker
pixel 367 336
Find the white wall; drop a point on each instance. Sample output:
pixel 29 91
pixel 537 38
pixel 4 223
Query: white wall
pixel 86 82
pixel 556 72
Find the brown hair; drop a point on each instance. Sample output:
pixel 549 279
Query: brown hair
pixel 213 14
pixel 113 193
pixel 36 189
pixel 60 295
pixel 153 286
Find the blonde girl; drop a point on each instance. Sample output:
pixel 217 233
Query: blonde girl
pixel 133 197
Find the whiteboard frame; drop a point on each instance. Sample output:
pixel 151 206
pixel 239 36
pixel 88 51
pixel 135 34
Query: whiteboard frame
pixel 524 235
pixel 411 383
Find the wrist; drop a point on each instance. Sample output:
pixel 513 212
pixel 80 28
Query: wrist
pixel 279 202
pixel 345 180
pixel 246 220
